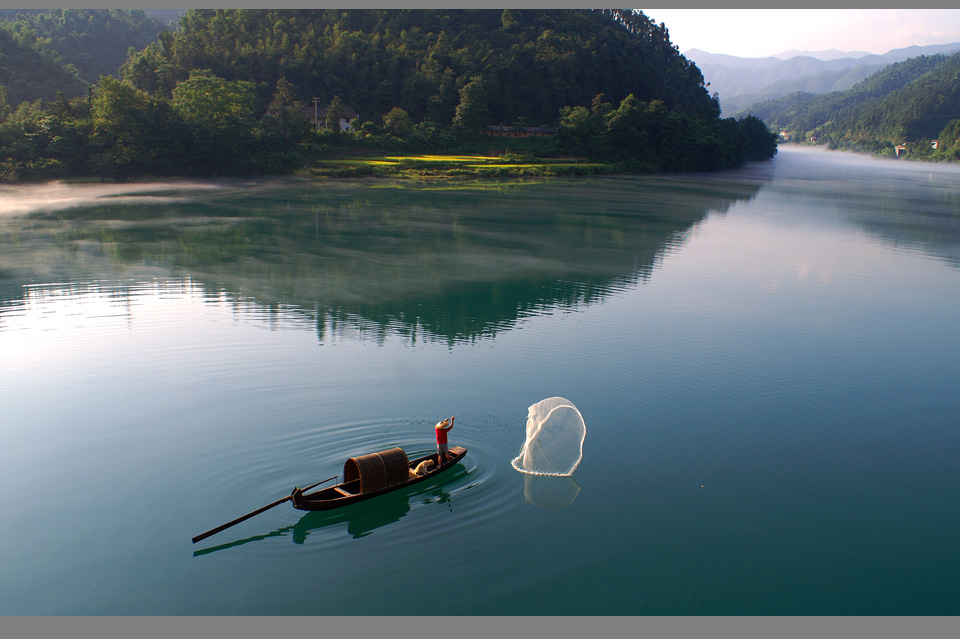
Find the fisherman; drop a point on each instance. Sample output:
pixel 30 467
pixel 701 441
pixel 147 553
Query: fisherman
pixel 428 465
pixel 442 428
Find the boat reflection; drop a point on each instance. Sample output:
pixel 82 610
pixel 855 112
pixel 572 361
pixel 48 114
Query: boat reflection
pixel 360 520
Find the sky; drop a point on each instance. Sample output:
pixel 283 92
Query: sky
pixel 752 33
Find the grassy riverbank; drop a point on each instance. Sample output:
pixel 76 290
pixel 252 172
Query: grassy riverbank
pixel 431 166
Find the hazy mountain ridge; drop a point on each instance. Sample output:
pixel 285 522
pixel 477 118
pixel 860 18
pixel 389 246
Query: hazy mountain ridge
pixel 903 108
pixel 829 54
pixel 825 82
pixel 741 82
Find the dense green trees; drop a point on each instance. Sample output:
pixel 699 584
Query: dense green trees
pixel 67 49
pixel 949 142
pixel 397 122
pixel 122 124
pixel 225 94
pixel 532 63
pixel 472 113
pixel 648 137
pixel 31 72
pixel 336 111
pixel 908 104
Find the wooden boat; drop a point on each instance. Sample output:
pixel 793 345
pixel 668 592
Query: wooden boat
pixel 372 475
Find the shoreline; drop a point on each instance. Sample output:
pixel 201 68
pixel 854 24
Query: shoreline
pixel 425 167
pixel 907 157
pixel 452 166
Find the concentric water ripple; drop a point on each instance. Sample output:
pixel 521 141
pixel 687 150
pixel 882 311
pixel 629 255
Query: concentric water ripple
pixel 478 489
pixel 766 365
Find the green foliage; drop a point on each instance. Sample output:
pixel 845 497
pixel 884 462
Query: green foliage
pixel 221 117
pixel 908 103
pixel 211 101
pixel 648 137
pixel 949 138
pixel 5 108
pixel 287 116
pixel 19 139
pixel 759 141
pixel 577 128
pixel 532 62
pixel 30 70
pixel 134 133
pixel 472 112
pixel 225 94
pixel 397 122
pixel 336 111
pixel 67 49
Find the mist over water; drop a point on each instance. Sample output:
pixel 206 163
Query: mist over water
pixel 58 196
pixel 765 360
pixel 385 255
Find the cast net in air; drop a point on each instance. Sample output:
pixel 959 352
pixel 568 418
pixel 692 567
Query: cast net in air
pixel 554 444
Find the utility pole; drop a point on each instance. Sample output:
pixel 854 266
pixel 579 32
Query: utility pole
pixel 316 124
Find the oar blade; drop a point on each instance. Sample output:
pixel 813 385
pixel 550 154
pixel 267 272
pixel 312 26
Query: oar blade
pixel 238 520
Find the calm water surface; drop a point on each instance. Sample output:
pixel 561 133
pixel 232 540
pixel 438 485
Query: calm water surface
pixel 767 362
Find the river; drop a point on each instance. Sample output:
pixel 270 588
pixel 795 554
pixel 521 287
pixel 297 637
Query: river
pixel 766 361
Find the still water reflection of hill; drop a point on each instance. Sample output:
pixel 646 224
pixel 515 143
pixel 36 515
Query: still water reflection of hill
pixel 348 256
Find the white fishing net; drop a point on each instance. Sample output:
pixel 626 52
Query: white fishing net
pixel 554 444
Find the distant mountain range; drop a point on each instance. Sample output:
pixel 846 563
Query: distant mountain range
pixel 829 54
pixel 742 82
pixel 908 109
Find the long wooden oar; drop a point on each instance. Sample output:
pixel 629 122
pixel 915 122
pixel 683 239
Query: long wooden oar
pixel 256 512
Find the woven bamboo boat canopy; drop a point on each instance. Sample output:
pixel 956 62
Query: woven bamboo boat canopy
pixel 377 470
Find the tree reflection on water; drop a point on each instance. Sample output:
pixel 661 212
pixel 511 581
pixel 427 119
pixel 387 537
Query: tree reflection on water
pixel 447 265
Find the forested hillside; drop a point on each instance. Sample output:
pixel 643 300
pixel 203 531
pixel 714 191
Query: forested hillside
pixel 29 73
pixel 232 91
pixel 825 82
pixel 742 82
pixel 84 43
pixel 532 62
pixel 909 104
